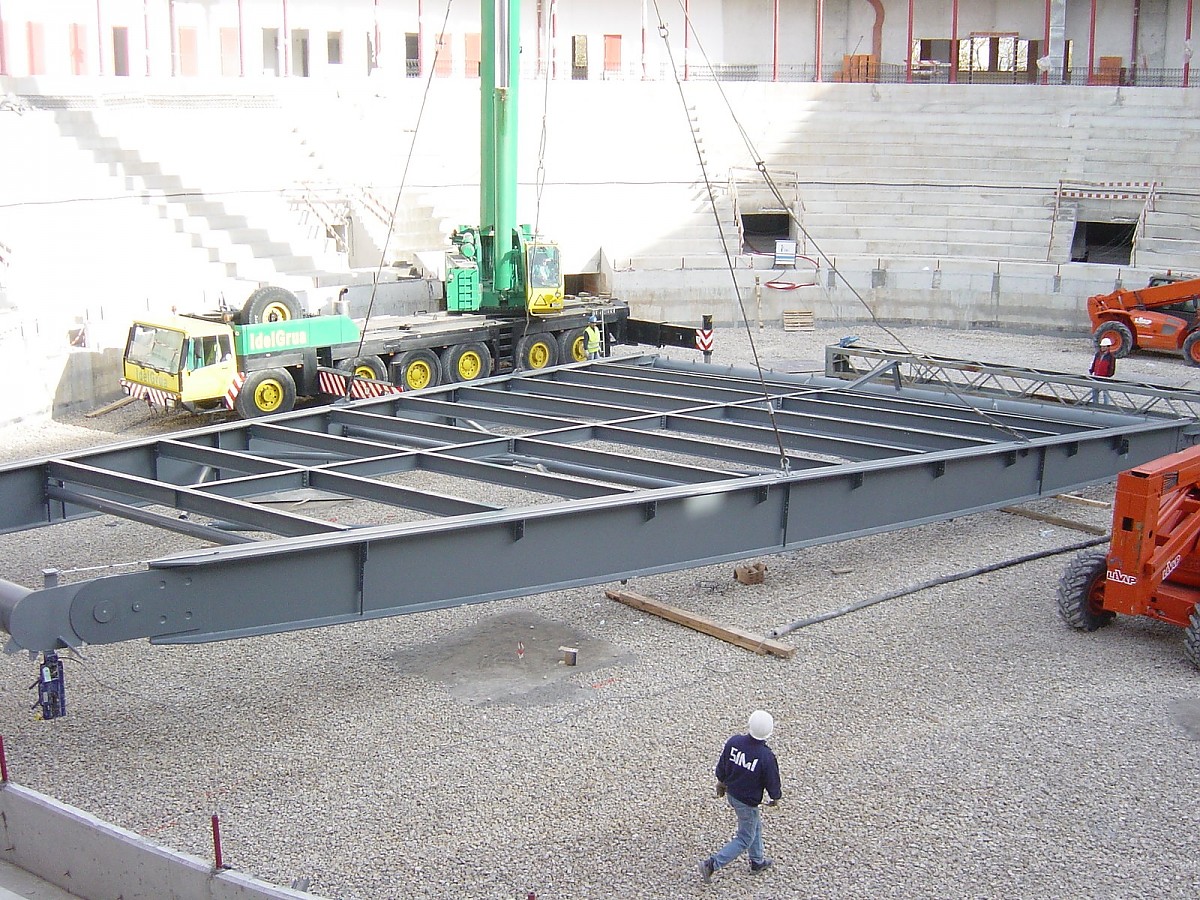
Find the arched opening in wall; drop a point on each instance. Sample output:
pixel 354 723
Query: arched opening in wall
pixel 761 230
pixel 585 283
pixel 1103 242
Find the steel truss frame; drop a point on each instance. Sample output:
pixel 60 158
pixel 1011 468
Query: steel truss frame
pixel 623 467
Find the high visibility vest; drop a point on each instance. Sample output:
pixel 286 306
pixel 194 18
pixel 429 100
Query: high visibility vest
pixel 592 339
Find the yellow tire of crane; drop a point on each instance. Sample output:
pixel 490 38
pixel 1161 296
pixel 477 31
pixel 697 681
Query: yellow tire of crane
pixel 276 312
pixel 579 349
pixel 268 395
pixel 417 375
pixel 364 371
pixel 538 355
pixel 470 366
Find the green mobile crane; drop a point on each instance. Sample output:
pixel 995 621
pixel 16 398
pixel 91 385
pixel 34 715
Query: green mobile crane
pixel 506 306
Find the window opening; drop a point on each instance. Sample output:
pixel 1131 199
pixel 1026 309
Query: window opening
pixel 300 53
pixel 1103 242
pixel 761 230
pixel 612 54
pixel 333 48
pixel 189 52
pixel 120 48
pixel 445 56
pixel 231 53
pixel 412 56
pixel 579 57
pixel 270 51
pixel 78 53
pixel 473 55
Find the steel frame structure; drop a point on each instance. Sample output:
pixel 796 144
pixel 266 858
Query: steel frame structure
pixel 623 467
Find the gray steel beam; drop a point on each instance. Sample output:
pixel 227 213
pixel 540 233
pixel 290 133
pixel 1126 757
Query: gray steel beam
pixel 385 571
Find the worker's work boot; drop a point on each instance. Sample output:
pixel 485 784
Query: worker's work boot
pixel 706 869
pixel 759 866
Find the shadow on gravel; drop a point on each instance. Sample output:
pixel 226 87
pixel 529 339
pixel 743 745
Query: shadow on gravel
pixel 483 664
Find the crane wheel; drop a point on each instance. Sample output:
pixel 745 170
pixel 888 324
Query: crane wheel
pixel 419 369
pixel 266 392
pixel 1191 638
pixel 572 346
pixel 269 304
pixel 466 362
pixel 1121 336
pixel 537 351
pixel 1081 591
pixel 365 367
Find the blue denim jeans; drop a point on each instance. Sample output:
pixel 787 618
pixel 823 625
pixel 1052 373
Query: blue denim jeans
pixel 748 837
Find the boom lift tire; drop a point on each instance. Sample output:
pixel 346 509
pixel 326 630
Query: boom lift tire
pixel 419 369
pixel 266 392
pixel 466 362
pixel 1080 591
pixel 269 304
pixel 1191 349
pixel 1191 639
pixel 537 351
pixel 365 367
pixel 1120 335
pixel 572 346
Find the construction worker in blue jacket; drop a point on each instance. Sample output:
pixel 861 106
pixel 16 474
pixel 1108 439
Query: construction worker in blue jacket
pixel 747 768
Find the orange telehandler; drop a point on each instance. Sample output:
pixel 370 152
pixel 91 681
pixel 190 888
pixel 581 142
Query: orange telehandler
pixel 1161 316
pixel 1152 567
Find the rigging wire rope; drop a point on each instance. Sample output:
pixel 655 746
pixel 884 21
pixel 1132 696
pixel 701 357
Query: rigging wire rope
pixel 784 463
pixel 412 146
pixel 761 166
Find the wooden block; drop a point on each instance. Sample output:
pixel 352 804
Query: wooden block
pixel 569 655
pixel 751 574
pixel 734 635
pixel 1055 520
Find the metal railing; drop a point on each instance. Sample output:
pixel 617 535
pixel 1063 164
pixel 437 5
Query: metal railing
pixel 900 368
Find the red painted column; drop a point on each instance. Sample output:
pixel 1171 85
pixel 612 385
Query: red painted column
pixel 241 40
pixel 99 40
pixel 908 60
pixel 1045 77
pixel 1092 43
pixel 146 32
pixel 3 52
pixel 174 41
pixel 1187 37
pixel 954 43
pixel 820 39
pixel 1133 50
pixel 775 41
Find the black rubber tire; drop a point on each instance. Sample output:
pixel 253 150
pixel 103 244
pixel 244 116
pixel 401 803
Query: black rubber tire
pixel 571 346
pixel 1191 639
pixel 1191 349
pixel 466 362
pixel 365 367
pixel 419 369
pixel 266 393
pixel 1122 338
pixel 1081 589
pixel 537 351
pixel 269 304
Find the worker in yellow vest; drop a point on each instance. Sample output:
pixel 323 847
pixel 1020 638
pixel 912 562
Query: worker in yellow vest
pixel 591 338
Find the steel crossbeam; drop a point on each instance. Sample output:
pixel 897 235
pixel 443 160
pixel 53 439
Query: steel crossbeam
pixel 543 480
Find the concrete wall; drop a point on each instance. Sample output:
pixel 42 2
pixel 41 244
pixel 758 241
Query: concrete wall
pixel 93 859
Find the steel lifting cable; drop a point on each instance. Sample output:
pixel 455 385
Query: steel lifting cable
pixel 784 463
pixel 540 177
pixel 761 166
pixel 403 179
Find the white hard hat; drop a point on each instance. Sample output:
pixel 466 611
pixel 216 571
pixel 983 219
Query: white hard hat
pixel 762 726
pixel 1106 342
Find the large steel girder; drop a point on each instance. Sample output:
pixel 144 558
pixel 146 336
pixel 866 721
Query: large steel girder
pixel 909 456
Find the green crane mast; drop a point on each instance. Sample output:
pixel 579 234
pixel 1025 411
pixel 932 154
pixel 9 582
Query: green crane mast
pixel 500 268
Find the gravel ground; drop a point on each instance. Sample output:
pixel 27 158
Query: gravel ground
pixel 957 742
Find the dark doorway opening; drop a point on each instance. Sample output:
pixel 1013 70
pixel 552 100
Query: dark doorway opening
pixel 584 283
pixel 1103 242
pixel 760 231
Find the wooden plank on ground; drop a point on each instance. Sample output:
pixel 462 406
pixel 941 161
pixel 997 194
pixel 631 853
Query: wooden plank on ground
pixel 1084 501
pixel 1056 520
pixel 731 633
pixel 116 404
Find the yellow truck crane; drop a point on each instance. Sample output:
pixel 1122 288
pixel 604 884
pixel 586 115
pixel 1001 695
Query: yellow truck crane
pixel 506 307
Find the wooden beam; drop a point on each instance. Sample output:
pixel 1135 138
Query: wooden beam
pixel 104 410
pixel 734 635
pixel 1056 520
pixel 1083 501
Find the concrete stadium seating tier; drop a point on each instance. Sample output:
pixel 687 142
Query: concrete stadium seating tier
pixel 938 203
